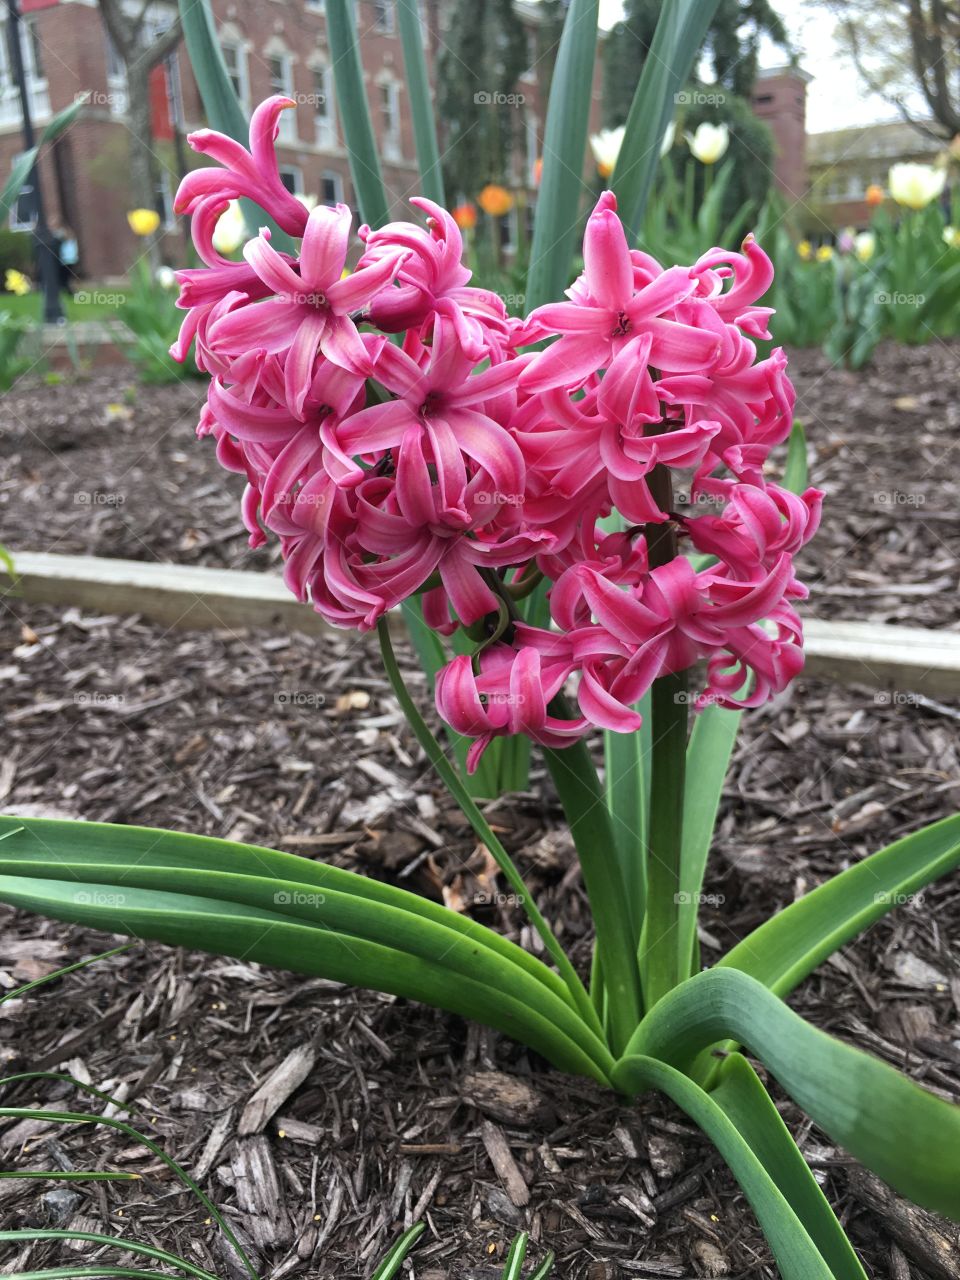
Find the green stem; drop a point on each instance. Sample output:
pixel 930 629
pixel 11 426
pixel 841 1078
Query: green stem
pixel 458 790
pixel 583 802
pixel 661 963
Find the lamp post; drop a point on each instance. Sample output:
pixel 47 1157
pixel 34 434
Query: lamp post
pixel 48 261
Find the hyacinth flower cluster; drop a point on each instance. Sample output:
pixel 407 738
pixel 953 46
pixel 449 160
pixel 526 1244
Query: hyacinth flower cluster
pixel 402 435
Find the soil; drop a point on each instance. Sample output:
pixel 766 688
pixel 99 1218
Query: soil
pixel 298 743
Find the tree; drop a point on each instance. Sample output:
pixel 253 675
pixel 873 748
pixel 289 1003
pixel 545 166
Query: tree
pixel 140 48
pixel 484 54
pixel 731 47
pixel 905 50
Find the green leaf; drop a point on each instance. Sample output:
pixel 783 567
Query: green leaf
pixel 355 111
pixel 627 792
pixel 112 1242
pixel 393 1260
pixel 220 102
pixel 790 945
pixel 745 1101
pixel 421 106
pixel 708 758
pixel 795 471
pixel 797 1256
pixel 564 147
pixel 309 917
pixel 26 159
pixel 910 1137
pixel 513 1267
pixel 679 34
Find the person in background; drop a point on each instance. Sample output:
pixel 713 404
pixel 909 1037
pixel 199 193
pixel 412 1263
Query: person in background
pixel 69 258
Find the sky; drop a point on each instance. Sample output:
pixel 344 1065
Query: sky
pixel 836 98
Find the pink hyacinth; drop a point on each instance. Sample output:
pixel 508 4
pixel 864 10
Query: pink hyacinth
pixel 401 436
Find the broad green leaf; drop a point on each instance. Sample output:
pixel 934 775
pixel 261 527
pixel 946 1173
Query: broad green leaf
pixel 421 106
pixel 910 1137
pixel 564 149
pixel 708 758
pixel 797 1256
pixel 744 1100
pixel 220 101
pixel 26 159
pixel 578 787
pixel 393 1260
pixel 679 34
pixel 795 470
pixel 513 1267
pixel 790 945
pixel 355 111
pixel 627 793
pixel 325 922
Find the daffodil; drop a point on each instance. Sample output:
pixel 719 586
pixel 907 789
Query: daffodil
pixel 16 282
pixel 709 143
pixel 143 222
pixel 915 185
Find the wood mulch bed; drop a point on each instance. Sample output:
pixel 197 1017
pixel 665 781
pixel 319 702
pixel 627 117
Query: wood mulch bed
pixel 298 743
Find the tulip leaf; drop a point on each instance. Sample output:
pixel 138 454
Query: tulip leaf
pixel 906 1135
pixel 355 111
pixel 795 471
pixel 393 1260
pixel 746 1102
pixel 627 792
pixel 421 106
pixel 20 171
pixel 679 34
pixel 796 1253
pixel 564 149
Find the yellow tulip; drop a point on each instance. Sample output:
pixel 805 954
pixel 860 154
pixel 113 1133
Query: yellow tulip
pixel 951 237
pixel 915 185
pixel 16 282
pixel 824 253
pixel 804 250
pixel 143 222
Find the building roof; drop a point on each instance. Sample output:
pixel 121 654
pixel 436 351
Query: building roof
pixel 891 140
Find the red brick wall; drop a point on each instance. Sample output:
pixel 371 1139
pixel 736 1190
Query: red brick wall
pixel 780 99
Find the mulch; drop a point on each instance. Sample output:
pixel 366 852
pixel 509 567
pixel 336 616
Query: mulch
pixel 402 1112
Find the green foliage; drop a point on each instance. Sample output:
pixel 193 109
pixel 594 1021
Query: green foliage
pixel 750 156
pixel 483 56
pixel 150 314
pixel 13 329
pixel 733 42
pixel 16 251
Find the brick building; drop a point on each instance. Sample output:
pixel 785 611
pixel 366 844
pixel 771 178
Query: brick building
pixel 780 100
pixel 275 47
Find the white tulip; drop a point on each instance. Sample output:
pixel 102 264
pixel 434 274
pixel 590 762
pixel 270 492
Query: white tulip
pixel 915 185
pixel 165 278
pixel 668 137
pixel 231 229
pixel 709 143
pixel 865 245
pixel 605 146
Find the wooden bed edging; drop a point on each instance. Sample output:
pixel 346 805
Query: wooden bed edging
pixel 899 661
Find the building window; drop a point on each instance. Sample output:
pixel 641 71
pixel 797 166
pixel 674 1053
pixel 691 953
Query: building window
pixel 324 112
pixel 331 187
pixel 235 56
pixel 23 214
pixel 383 16
pixel 388 99
pixel 316 6
pixel 116 80
pixel 280 66
pixel 33 74
pixel 292 179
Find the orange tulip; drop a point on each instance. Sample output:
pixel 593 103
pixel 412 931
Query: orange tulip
pixel 874 195
pixel 495 201
pixel 537 170
pixel 465 216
